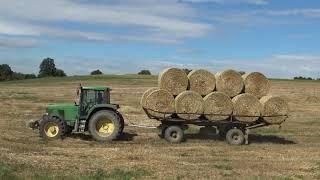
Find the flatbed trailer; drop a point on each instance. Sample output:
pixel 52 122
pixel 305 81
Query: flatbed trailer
pixel 235 132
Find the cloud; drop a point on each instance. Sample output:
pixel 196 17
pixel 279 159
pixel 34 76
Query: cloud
pixel 6 42
pixel 254 2
pixel 311 13
pixel 153 20
pixel 277 66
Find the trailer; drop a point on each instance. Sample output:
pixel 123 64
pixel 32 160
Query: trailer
pixel 235 132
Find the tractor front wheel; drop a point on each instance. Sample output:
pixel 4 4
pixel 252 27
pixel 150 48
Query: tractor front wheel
pixel 105 126
pixel 51 128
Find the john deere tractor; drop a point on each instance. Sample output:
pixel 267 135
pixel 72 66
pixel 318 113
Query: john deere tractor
pixel 94 113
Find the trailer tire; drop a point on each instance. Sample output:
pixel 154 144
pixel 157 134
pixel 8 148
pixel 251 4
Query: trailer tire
pixel 174 134
pixel 235 136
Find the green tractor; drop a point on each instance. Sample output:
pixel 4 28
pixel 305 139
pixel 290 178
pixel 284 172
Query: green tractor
pixel 94 114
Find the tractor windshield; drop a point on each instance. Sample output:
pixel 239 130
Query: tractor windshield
pixel 90 98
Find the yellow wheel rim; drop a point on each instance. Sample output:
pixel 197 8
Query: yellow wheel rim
pixel 51 129
pixel 105 127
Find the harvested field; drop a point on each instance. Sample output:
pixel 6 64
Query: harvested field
pixel 289 153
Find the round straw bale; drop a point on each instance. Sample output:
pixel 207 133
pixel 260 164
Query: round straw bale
pixel 201 81
pixel 246 105
pixel 145 95
pixel 229 82
pixel 173 80
pixel 218 104
pixel 256 83
pixel 189 102
pixel 274 106
pixel 162 101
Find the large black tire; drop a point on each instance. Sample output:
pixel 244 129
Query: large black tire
pixel 51 128
pixel 121 122
pixel 105 125
pixel 235 137
pixel 174 134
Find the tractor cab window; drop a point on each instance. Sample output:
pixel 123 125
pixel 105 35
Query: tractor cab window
pixel 90 98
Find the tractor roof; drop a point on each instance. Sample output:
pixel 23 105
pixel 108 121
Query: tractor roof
pixel 96 88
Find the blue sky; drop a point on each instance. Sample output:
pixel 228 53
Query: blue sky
pixel 278 38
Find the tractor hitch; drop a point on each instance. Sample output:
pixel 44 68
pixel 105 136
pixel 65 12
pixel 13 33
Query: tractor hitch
pixel 33 124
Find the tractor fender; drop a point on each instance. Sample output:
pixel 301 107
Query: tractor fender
pixel 96 108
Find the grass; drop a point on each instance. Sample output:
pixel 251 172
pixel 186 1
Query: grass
pixel 17 172
pixel 289 153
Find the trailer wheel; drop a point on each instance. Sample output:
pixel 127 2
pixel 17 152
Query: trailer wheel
pixel 235 137
pixel 174 134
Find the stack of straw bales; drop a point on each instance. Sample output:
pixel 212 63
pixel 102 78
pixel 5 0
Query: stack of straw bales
pixel 216 97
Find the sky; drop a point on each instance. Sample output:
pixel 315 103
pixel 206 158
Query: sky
pixel 280 38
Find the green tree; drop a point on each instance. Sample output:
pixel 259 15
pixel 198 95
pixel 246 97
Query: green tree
pixel 242 72
pixel 187 71
pixel 30 76
pixel 144 72
pixel 47 68
pixel 96 72
pixel 17 76
pixel 60 73
pixel 5 72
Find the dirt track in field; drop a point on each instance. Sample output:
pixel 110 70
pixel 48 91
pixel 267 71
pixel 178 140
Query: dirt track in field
pixel 290 153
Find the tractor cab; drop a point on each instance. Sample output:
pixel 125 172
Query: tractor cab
pixel 91 96
pixel 93 113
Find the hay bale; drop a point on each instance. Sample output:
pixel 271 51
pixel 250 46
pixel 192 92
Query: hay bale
pixel 274 106
pixel 256 83
pixel 189 102
pixel 160 100
pixel 201 81
pixel 173 80
pixel 145 95
pixel 229 82
pixel 217 103
pixel 246 105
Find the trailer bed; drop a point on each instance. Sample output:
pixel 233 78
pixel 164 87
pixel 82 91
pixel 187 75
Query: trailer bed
pixel 234 132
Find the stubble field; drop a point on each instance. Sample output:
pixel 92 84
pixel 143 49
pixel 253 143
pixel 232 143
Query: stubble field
pixel 292 152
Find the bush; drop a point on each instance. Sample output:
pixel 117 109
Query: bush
pixel 96 72
pixel 144 72
pixel 6 74
pixel 187 71
pixel 242 72
pixel 60 73
pixel 30 76
pixel 302 78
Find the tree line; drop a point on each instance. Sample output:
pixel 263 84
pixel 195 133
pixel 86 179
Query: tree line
pixel 47 69
pixel 305 78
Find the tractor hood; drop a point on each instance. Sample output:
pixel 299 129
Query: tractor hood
pixel 61 106
pixel 66 112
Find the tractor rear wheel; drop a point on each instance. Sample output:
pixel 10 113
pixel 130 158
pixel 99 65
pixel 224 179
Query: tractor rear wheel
pixel 51 128
pixel 105 126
